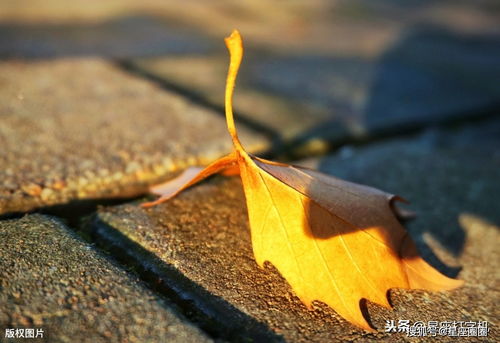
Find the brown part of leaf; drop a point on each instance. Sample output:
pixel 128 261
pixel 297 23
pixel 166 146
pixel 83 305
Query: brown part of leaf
pixel 402 214
pixel 361 206
pixel 332 240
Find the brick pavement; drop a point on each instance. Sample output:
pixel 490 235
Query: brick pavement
pixel 99 101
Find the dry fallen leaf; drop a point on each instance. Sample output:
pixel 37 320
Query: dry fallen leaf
pixel 332 240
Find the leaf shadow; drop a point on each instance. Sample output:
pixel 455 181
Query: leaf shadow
pixel 449 196
pixel 411 90
pixel 439 185
pixel 423 250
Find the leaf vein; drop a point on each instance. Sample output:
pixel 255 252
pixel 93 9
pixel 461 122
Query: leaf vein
pixel 282 225
pixel 330 275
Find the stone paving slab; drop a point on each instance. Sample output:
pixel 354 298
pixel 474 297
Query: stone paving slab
pixel 310 100
pixel 360 26
pixel 51 280
pixel 84 129
pixel 204 77
pixel 318 72
pixel 123 37
pixel 203 234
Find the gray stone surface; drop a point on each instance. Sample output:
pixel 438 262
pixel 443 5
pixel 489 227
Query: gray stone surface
pixel 128 36
pixel 360 26
pixel 321 71
pixel 50 279
pixel 284 118
pixel 101 99
pixel 83 128
pixel 311 100
pixel 453 189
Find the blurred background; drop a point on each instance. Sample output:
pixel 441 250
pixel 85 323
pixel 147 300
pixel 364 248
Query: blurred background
pixel 317 73
pixel 100 99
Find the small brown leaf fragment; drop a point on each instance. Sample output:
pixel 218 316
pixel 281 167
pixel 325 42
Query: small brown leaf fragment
pixel 332 240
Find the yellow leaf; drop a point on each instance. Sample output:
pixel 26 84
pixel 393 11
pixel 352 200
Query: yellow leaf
pixel 332 240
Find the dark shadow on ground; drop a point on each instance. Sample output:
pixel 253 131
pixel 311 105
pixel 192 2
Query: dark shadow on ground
pixel 122 40
pixel 440 179
pixel 277 144
pixel 73 211
pixel 125 37
pixel 213 314
pixel 429 76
